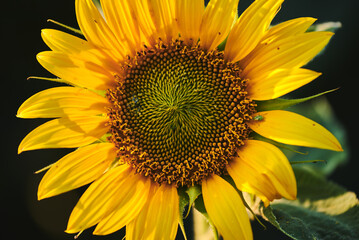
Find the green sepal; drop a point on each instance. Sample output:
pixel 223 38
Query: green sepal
pixel 280 103
pixel 323 210
pixel 222 45
pixel 75 30
pixel 193 193
pixel 187 196
pixel 183 202
pixel 199 205
pixel 44 169
pixel 58 80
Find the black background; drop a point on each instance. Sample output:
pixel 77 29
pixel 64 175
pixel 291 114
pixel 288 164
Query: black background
pixel 21 22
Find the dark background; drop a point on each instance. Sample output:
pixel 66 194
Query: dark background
pixel 21 22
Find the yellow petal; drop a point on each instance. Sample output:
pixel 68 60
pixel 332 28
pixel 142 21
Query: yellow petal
pixel 290 52
pixel 288 28
pixel 159 218
pixel 121 21
pixel 250 28
pixel 189 17
pixel 217 21
pixel 77 169
pixel 279 82
pixel 63 42
pixel 129 202
pixel 134 230
pixel 225 208
pixel 294 129
pixel 99 199
pixel 164 16
pixel 263 170
pixel 96 30
pixel 61 102
pixel 77 71
pixel 142 10
pixel 69 132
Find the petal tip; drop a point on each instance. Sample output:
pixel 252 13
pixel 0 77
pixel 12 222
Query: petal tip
pixel 338 148
pixel 40 195
pixel 21 148
pixel 19 114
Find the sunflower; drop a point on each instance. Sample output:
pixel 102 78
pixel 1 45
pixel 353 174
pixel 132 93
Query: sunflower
pixel 155 103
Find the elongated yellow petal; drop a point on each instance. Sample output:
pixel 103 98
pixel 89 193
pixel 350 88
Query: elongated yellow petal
pixel 159 218
pixel 189 15
pixel 294 129
pixel 129 202
pixel 164 16
pixel 96 30
pixel 288 28
pixel 134 230
pixel 63 42
pixel 122 23
pixel 61 102
pixel 77 71
pixel 279 82
pixel 263 170
pixel 77 169
pixel 142 10
pixel 69 132
pixel 217 21
pixel 250 28
pixel 99 199
pixel 290 52
pixel 66 43
pixel 225 208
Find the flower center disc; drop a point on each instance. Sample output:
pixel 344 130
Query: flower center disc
pixel 179 113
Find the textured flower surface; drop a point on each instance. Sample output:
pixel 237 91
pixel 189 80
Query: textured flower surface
pixel 152 104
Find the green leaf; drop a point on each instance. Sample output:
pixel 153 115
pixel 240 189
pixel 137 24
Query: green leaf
pixel 280 103
pixel 323 210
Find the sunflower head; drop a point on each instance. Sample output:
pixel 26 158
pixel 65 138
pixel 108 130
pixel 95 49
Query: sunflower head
pixel 153 105
pixel 179 113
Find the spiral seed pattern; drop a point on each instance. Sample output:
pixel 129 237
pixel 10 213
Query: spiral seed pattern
pixel 179 113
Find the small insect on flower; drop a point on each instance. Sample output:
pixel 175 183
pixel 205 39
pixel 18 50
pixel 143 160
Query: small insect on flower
pixel 258 118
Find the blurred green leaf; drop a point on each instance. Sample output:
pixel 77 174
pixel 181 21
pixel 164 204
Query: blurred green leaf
pixel 326 26
pixel 323 210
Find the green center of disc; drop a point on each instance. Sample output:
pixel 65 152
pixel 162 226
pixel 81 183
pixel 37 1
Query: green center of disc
pixel 179 113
